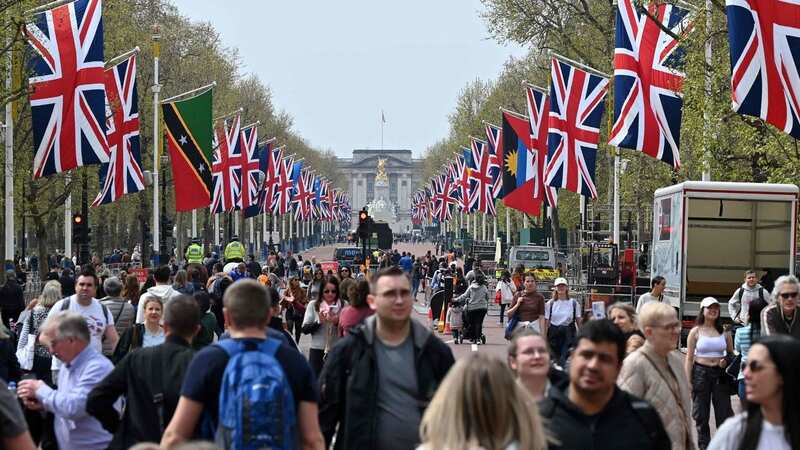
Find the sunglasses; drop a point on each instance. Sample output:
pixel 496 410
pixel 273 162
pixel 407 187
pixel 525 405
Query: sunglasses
pixel 755 366
pixel 788 295
pixel 330 291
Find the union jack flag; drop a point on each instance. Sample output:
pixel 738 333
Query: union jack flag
pixel 251 166
pixel 485 171
pixel 123 173
pixel 538 107
pixel 765 80
pixel 461 181
pixel 226 166
pixel 325 200
pixel 68 88
pixel 282 201
pixel 647 80
pixel 271 178
pixel 303 194
pixel 493 137
pixel 576 107
pixel 441 186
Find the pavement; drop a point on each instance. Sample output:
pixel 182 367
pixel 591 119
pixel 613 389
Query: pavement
pixel 495 342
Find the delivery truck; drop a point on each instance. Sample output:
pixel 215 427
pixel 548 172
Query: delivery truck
pixel 707 234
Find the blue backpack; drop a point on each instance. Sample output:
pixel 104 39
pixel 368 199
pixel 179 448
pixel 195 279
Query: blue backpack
pixel 256 405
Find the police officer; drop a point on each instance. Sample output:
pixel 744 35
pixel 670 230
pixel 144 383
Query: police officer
pixel 194 253
pixel 234 251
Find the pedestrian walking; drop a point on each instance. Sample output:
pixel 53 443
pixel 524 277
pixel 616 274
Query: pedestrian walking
pixel 149 379
pixel 476 303
pixel 98 317
pixel 9 365
pixel 656 294
pixel 739 304
pixel 624 316
pixel 772 419
pixel 378 379
pixel 745 337
pixel 529 358
pixel 124 313
pixel 780 317
pixel 455 318
pixel 209 330
pixel 480 405
pixel 506 290
pixel 12 299
pixel 592 412
pixel 708 345
pixel 209 390
pixel 68 336
pixel 163 291
pixel 528 307
pixel 143 335
pixel 345 282
pixel 294 297
pixel 563 318
pixel 358 308
pixel 321 321
pixel 131 290
pixel 654 373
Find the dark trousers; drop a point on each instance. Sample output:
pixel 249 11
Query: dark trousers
pixel 316 358
pixel 502 312
pixel 706 389
pixel 294 327
pixel 561 338
pixel 475 320
pixel 437 302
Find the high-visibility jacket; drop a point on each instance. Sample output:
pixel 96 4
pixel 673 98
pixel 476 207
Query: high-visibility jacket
pixel 234 250
pixel 194 254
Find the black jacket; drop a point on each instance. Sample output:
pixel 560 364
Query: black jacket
pixel 626 423
pixel 12 301
pixel 139 376
pixel 349 383
pixel 130 340
pixel 9 366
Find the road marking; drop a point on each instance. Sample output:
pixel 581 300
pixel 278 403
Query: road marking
pixel 450 341
pixel 474 347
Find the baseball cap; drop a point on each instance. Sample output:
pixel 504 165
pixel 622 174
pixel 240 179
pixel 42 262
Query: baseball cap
pixel 708 301
pixel 559 280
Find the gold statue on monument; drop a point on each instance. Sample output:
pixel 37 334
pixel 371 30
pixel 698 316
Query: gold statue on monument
pixel 381 174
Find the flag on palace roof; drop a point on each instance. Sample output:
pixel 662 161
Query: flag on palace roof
pixel 576 107
pixel 648 79
pixel 67 87
pixel 188 126
pixel 123 173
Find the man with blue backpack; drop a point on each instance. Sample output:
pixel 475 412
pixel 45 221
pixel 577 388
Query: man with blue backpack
pixel 249 391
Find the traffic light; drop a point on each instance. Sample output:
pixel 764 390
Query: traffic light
pixel 80 229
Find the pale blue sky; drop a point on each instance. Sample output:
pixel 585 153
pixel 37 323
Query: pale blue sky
pixel 333 65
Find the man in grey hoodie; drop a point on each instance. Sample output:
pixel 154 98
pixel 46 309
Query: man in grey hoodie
pixel 162 291
pixel 739 304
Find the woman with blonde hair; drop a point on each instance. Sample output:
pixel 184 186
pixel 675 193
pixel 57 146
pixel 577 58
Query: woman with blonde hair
pixel 624 316
pixel 480 405
pixel 42 359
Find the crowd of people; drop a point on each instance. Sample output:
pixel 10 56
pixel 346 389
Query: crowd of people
pixel 201 357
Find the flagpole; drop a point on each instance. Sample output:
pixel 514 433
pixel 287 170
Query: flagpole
pixel 156 37
pixel 577 64
pixel 188 93
pixel 8 131
pixel 113 61
pixel 68 221
pixel 194 224
pixel 508 226
pixel 706 174
pixel 216 231
pixel 539 89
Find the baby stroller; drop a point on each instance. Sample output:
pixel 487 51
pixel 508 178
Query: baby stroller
pixel 467 332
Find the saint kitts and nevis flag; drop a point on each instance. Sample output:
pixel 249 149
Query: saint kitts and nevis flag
pixel 188 128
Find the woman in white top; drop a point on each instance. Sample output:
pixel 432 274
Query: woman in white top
pixel 707 348
pixel 562 318
pixel 506 289
pixel 772 418
pixel 480 405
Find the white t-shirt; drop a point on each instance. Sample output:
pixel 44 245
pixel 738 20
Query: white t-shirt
pixel 729 435
pixel 95 317
pixel 560 312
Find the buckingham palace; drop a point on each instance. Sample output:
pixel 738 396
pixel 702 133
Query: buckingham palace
pixel 404 174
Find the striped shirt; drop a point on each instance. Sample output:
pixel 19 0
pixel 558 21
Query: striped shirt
pixel 742 343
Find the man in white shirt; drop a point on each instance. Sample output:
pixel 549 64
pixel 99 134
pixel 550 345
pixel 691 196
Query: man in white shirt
pixel 98 318
pixel 656 294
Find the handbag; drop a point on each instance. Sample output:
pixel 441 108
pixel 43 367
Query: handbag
pixel 25 354
pixel 512 323
pixel 498 296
